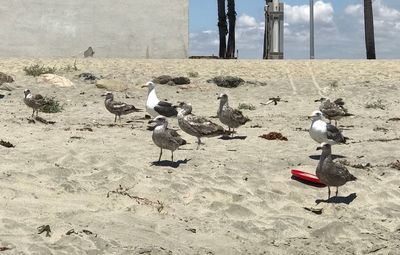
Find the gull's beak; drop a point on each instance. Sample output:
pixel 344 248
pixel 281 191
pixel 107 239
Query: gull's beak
pixel 145 86
pixel 151 121
pixel 218 98
pixel 103 95
pixel 317 100
pixel 309 116
pixel 319 148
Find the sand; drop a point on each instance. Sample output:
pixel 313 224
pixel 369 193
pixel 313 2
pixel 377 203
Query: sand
pixel 231 196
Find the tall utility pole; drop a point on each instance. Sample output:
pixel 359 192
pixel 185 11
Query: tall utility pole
pixel 369 29
pixel 312 52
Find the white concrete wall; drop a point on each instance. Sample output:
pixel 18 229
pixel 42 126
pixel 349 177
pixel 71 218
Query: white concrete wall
pixel 114 28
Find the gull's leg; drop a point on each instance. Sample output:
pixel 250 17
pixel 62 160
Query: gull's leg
pixel 33 113
pixel 115 119
pixel 159 158
pixel 119 119
pixel 198 142
pixel 37 112
pixel 233 132
pixel 329 192
pixel 337 190
pixel 172 156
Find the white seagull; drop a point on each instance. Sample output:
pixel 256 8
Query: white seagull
pixel 155 107
pixel 322 132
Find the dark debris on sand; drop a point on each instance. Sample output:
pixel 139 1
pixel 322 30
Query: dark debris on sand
pixel 227 81
pixel 274 136
pixel 6 144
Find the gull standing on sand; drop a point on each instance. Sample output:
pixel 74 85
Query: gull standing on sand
pixel 197 126
pixel 332 173
pixel 118 108
pixel 233 118
pixel 333 110
pixel 35 102
pixel 155 107
pixel 164 137
pixel 322 132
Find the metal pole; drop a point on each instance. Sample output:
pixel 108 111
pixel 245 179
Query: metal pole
pixel 312 53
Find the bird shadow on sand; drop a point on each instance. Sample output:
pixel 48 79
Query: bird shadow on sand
pixel 237 137
pixel 40 119
pixel 317 157
pixel 169 163
pixel 317 185
pixel 338 200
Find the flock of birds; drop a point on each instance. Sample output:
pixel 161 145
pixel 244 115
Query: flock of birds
pixel 332 174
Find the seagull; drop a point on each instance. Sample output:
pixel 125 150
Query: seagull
pixel 322 132
pixel 233 118
pixel 197 126
pixel 155 107
pixel 332 173
pixel 164 137
pixel 118 108
pixel 333 110
pixel 35 102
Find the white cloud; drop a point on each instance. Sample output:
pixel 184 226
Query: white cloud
pixel 245 20
pixel 354 9
pixel 300 14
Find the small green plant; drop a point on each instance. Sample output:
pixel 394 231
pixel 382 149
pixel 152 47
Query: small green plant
pixel 378 104
pixel 36 70
pixel 51 105
pixel 334 84
pixel 244 106
pixel 193 74
pixel 70 68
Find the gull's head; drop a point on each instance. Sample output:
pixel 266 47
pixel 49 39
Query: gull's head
pixel 159 120
pixel 322 99
pixel 27 92
pixel 185 108
pixel 223 97
pixel 316 115
pixel 108 95
pixel 324 147
pixel 149 85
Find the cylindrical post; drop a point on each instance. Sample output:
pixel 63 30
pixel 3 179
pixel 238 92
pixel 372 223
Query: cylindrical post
pixel 312 53
pixel 275 28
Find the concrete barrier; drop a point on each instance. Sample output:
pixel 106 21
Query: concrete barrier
pixel 113 28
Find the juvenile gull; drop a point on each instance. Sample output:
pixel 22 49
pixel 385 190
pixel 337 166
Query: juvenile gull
pixel 164 137
pixel 155 107
pixel 332 173
pixel 233 118
pixel 36 102
pixel 333 110
pixel 197 126
pixel 322 132
pixel 118 108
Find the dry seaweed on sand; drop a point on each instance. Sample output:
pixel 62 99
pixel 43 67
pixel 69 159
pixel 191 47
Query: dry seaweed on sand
pixel 395 165
pixel 140 200
pixel 378 104
pixel 244 106
pixel 274 136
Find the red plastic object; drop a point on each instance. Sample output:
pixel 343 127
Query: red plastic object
pixel 306 176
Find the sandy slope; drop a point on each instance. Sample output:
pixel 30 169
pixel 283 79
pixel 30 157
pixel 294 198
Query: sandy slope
pixel 230 197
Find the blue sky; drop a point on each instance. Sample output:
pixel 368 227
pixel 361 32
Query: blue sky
pixel 339 28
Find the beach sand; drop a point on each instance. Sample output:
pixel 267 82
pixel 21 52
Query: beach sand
pixel 231 196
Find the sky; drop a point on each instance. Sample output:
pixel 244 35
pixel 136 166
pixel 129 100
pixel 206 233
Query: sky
pixel 339 28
